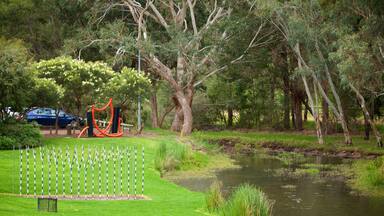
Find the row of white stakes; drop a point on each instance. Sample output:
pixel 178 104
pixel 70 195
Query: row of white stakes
pixel 99 158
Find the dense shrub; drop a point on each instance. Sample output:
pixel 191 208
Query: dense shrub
pixel 18 135
pixel 246 200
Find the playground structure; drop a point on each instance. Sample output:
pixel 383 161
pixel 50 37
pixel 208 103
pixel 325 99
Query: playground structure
pixel 113 128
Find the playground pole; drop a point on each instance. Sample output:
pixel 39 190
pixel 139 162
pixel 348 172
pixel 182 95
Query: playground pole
pixel 90 124
pixel 139 98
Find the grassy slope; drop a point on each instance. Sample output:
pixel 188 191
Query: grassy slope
pixel 167 198
pixel 333 142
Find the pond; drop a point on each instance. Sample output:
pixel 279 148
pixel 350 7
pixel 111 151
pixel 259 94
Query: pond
pixel 294 196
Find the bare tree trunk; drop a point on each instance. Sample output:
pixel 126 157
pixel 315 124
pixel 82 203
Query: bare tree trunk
pixel 178 118
pixel 367 128
pixel 325 111
pixel 347 136
pixel 286 111
pixel 305 114
pixel 314 111
pixel 230 117
pixel 293 113
pixel 166 112
pixel 367 115
pixel 187 113
pixel 337 111
pixel 154 112
pixel 298 112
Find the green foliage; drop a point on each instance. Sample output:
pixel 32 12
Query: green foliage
pixel 81 81
pixel 49 91
pixel 247 200
pixel 127 85
pixel 15 80
pixel 19 135
pixel 354 62
pixel 7 142
pixel 214 199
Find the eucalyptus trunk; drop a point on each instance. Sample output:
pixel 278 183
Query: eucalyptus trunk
pixel 314 111
pixel 177 119
pixel 339 113
pixel 347 136
pixel 154 111
pixel 367 116
pixel 230 117
pixel 187 113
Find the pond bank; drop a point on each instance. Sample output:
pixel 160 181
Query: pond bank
pixel 235 145
pixel 298 184
pixel 362 172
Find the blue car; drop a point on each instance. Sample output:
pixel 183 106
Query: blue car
pixel 47 117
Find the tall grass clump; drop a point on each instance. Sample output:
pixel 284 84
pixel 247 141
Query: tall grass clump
pixel 370 174
pixel 246 200
pixel 169 156
pixel 214 199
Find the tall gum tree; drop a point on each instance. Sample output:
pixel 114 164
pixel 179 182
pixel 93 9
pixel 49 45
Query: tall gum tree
pixel 180 41
pixel 355 66
pixel 302 26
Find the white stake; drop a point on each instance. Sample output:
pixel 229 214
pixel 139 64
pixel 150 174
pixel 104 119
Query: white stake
pixel 42 170
pixel 142 174
pixel 27 168
pixel 49 172
pixel 34 172
pixel 21 171
pixel 128 170
pixel 135 175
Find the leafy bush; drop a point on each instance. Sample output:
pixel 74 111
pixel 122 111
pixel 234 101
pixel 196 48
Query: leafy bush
pixel 247 200
pixel 214 198
pixel 18 135
pixel 7 142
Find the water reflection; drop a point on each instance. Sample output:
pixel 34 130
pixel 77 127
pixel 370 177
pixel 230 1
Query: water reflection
pixel 294 196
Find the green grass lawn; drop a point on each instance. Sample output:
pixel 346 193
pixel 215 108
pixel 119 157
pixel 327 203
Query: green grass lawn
pixel 166 197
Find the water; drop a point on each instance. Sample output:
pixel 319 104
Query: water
pixel 294 196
